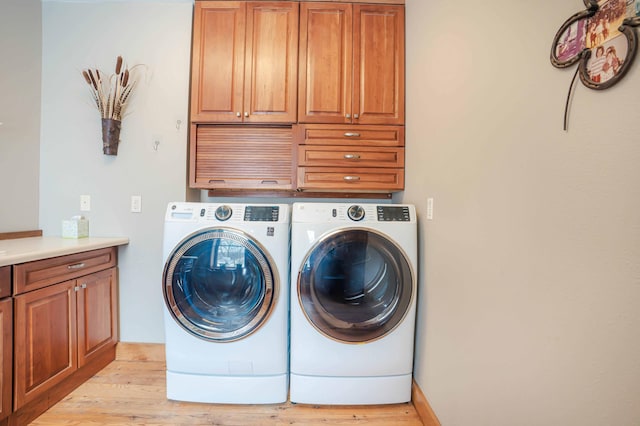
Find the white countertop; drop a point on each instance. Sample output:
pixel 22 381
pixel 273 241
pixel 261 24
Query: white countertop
pixel 21 250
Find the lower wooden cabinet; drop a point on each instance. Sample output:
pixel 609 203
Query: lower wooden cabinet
pixel 6 354
pixel 61 328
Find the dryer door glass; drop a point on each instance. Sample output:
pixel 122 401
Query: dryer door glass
pixel 220 285
pixel 355 286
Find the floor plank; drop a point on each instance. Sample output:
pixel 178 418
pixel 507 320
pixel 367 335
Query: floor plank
pixel 133 392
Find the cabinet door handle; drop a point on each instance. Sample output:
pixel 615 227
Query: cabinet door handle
pixel 351 178
pixel 352 135
pixel 76 266
pixel 84 285
pixel 238 114
pixel 246 114
pixel 76 288
pixel 351 156
pixel 356 116
pixel 347 115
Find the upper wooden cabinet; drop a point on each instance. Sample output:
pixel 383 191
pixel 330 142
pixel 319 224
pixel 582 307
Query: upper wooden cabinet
pixel 244 64
pixel 351 68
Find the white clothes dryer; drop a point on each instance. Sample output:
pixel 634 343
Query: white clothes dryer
pixel 225 286
pixel 353 303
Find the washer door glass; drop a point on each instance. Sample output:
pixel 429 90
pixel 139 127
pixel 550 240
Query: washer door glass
pixel 220 285
pixel 355 286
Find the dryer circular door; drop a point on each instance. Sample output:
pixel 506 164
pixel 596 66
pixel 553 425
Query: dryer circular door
pixel 220 285
pixel 355 285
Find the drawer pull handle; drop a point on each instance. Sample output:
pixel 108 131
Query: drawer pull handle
pixel 352 135
pixel 351 156
pixel 266 181
pixel 351 178
pixel 76 266
pixel 217 181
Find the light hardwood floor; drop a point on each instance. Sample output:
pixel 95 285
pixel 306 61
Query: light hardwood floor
pixel 131 391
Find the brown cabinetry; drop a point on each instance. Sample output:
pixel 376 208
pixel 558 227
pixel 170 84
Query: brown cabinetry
pixel 351 67
pixel 295 64
pixel 6 342
pixel 349 158
pixel 245 59
pixel 65 325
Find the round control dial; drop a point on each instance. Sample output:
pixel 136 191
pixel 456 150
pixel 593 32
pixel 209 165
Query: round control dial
pixel 355 213
pixel 223 213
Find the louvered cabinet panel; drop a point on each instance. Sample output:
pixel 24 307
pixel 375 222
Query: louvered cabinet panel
pixel 241 157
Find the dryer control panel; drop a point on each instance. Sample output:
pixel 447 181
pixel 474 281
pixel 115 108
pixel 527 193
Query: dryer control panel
pixel 393 214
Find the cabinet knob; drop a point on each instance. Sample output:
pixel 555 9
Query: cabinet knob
pixel 348 115
pixel 84 285
pixel 246 114
pixel 352 135
pixel 356 116
pixel 351 178
pixel 238 114
pixel 351 156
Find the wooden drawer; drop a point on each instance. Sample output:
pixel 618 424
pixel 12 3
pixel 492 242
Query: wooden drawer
pixel 348 156
pixel 332 134
pixel 350 179
pixel 41 273
pixel 5 281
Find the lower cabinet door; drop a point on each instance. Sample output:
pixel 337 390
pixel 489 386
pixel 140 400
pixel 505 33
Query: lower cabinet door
pixel 97 314
pixel 45 340
pixel 6 352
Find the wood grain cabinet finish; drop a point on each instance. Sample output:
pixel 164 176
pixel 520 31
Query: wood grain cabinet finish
pixel 340 158
pixel 351 67
pixel 61 328
pixel 65 319
pixel 242 157
pixel 244 62
pixel 6 342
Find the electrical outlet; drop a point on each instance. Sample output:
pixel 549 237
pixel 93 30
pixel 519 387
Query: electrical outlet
pixel 85 203
pixel 136 204
pixel 430 208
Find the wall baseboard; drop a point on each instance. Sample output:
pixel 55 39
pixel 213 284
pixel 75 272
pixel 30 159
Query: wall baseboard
pixel 422 406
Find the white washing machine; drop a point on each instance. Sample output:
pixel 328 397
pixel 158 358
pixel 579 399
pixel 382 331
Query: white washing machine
pixel 353 303
pixel 225 285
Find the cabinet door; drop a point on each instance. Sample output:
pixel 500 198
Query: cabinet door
pixel 325 65
pixel 218 61
pixel 241 157
pixel 45 340
pixel 378 86
pixel 6 352
pixel 97 314
pixel 271 63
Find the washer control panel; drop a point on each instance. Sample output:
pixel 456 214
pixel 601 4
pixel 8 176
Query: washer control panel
pixel 261 213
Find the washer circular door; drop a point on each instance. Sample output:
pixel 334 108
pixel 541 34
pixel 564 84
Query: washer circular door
pixel 220 285
pixel 355 285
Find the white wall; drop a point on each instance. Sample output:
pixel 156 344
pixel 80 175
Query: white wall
pixel 78 35
pixel 530 274
pixel 20 50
